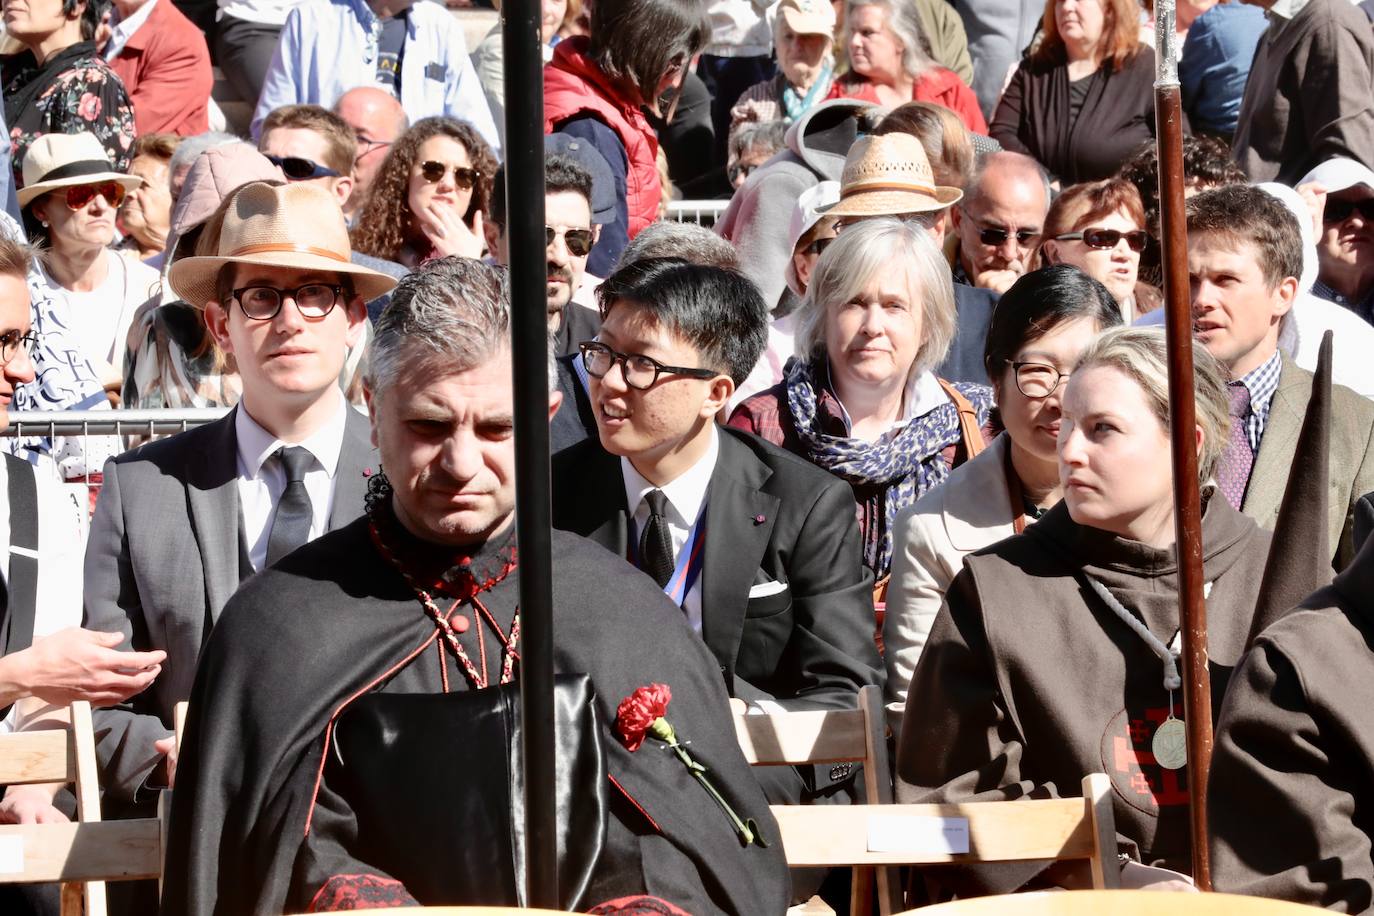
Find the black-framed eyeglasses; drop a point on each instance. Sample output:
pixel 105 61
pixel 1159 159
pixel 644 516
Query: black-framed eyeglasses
pixel 579 241
pixel 638 370
pixel 1037 380
pixel 313 300
pixel 996 236
pixel 463 176
pixel 11 342
pixel 1107 239
pixel 1338 210
pixel 298 168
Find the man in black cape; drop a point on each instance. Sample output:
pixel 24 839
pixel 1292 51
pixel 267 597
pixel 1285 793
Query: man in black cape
pixel 418 597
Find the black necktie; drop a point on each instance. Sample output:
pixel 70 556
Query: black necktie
pixel 291 524
pixel 656 541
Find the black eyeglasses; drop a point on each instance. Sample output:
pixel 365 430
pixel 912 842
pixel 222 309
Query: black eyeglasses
pixel 1037 380
pixel 1338 211
pixel 12 341
pixel 463 176
pixel 996 236
pixel 297 168
pixel 579 241
pixel 262 303
pixel 1107 239
pixel 639 371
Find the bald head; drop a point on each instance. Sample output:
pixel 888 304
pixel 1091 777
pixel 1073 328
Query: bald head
pixel 378 119
pixel 1000 218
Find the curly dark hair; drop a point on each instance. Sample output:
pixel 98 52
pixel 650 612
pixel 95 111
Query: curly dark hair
pixel 1207 163
pixel 384 220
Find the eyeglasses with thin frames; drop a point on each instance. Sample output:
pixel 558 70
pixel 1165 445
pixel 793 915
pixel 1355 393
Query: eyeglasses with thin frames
pixel 463 177
pixel 11 341
pixel 639 371
pixel 263 303
pixel 1037 380
pixel 579 241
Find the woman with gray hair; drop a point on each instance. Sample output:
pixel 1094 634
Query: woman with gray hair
pixel 1054 654
pixel 862 399
pixel 889 63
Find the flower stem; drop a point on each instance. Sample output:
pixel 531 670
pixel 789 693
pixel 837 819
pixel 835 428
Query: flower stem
pixel 699 772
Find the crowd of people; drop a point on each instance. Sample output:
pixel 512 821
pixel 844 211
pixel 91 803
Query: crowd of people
pixel 900 417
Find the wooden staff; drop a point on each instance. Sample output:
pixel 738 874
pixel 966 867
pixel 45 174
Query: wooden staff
pixel 524 72
pixel 1197 692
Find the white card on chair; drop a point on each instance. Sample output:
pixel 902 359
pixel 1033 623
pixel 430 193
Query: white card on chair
pixel 11 855
pixel 912 833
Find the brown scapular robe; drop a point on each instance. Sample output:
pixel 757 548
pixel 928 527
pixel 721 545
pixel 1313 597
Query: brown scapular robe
pixel 1291 794
pixel 1030 682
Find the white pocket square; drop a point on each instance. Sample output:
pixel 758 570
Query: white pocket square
pixel 764 589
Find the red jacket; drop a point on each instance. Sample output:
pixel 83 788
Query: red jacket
pixel 573 85
pixel 939 86
pixel 166 67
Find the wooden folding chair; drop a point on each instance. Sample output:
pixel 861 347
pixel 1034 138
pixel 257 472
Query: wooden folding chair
pixel 1117 903
pixel 835 737
pixel 84 854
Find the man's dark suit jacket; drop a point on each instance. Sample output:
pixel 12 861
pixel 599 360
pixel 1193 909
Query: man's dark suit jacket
pixel 770 516
pixel 165 553
pixel 964 362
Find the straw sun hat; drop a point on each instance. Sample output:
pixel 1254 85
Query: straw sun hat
pixel 297 225
pixel 889 176
pixel 57 161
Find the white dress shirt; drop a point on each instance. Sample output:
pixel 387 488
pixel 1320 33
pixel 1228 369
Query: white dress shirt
pixel 62 528
pixel 262 478
pixel 124 29
pixel 686 498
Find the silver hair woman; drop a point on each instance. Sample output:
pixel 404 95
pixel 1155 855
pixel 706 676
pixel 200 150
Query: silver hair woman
pixel 890 63
pixel 1050 658
pixel 862 399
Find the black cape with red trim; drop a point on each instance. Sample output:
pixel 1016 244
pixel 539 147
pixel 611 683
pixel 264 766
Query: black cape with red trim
pixel 301 638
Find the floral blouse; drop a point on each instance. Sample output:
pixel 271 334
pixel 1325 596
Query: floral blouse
pixel 74 91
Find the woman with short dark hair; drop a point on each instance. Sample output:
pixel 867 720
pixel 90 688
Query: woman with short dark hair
pixel 1039 329
pixel 59 83
pixel 595 87
pixel 429 196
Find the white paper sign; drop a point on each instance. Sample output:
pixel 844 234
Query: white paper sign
pixel 912 834
pixel 11 855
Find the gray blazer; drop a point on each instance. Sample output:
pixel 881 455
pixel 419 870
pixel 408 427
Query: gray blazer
pixel 164 554
pixel 1351 456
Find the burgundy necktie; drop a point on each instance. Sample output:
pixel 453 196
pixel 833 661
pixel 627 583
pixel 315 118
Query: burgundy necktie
pixel 1233 470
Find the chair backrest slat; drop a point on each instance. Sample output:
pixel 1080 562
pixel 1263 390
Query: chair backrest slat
pixel 830 736
pixel 108 850
pixel 30 757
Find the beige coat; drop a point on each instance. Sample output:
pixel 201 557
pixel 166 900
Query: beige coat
pixel 969 511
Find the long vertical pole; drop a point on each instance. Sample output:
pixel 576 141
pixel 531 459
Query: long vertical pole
pixel 1197 692
pixel 524 73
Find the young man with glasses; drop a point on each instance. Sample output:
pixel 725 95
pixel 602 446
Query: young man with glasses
pixel 182 521
pixel 758 548
pixel 999 221
pixel 1245 254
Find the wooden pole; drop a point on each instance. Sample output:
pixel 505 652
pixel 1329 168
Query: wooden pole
pixel 1197 692
pixel 524 72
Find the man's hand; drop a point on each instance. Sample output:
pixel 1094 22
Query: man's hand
pixel 30 805
pixel 999 281
pixel 167 747
pixel 1314 195
pixel 77 664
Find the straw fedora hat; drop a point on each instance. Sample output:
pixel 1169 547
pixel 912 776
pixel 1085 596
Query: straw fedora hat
pixel 62 160
pixel 297 225
pixel 889 176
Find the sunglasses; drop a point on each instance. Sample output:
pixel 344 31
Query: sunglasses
pixel 463 176
pixel 996 236
pixel 78 196
pixel 1338 211
pixel 296 168
pixel 579 241
pixel 1107 239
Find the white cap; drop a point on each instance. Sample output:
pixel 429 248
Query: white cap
pixel 1340 173
pixel 810 207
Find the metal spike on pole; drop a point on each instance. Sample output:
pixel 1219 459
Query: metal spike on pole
pixel 524 73
pixel 1197 692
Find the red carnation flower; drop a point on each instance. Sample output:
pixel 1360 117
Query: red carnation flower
pixel 638 712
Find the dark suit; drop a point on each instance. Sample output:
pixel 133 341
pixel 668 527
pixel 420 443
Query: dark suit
pixel 575 420
pixel 770 516
pixel 165 553
pixel 964 362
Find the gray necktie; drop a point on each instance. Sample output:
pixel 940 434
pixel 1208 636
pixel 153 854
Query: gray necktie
pixel 291 524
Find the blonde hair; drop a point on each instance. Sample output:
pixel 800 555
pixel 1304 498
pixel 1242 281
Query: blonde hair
pixel 867 250
pixel 1141 355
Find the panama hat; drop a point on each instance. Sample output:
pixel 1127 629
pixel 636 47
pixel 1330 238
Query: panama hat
pixel 889 176
pixel 808 17
pixel 297 225
pixel 63 160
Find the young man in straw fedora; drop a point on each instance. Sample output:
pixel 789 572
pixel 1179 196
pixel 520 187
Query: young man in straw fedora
pixel 182 521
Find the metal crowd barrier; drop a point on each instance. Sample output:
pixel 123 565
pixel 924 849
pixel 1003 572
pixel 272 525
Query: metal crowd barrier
pixel 702 212
pixel 86 423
